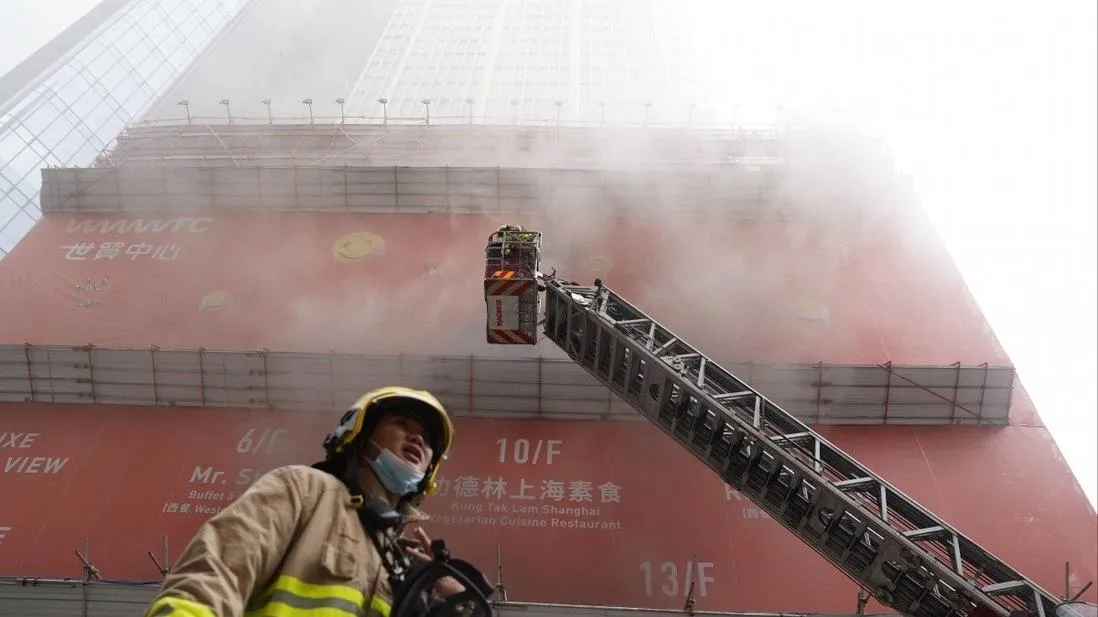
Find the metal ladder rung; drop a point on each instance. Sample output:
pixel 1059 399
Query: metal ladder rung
pixel 926 533
pixel 856 484
pixel 732 395
pixel 794 438
pixel 1003 588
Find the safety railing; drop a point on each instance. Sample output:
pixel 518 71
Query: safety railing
pixel 35 596
pixel 774 128
pixel 479 386
pixel 395 189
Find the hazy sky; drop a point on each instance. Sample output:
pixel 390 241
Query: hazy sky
pixel 26 25
pixel 991 106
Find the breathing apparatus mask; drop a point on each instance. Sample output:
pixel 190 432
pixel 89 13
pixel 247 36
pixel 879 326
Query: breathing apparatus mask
pixel 413 584
pixel 416 596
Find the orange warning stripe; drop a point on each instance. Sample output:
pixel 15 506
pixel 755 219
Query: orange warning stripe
pixel 506 288
pixel 504 274
pixel 509 337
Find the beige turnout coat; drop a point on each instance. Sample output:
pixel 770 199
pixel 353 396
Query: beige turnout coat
pixel 290 546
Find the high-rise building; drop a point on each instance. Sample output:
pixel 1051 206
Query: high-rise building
pixel 534 62
pixel 197 304
pixel 65 104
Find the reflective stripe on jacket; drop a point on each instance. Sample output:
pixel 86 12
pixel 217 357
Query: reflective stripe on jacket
pixel 290 546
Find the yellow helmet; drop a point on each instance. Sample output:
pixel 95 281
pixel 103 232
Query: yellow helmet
pixel 368 408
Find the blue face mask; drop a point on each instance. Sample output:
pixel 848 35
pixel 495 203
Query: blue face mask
pixel 397 475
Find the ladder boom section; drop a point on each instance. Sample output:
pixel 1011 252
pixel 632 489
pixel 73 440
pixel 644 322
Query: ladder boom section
pixel 899 551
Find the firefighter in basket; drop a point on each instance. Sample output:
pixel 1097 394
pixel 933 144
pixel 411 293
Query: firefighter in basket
pixel 518 233
pixel 339 537
pixel 502 251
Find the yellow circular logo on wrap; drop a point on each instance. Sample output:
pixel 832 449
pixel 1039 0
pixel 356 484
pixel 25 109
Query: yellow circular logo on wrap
pixel 810 309
pixel 599 264
pixel 358 246
pixel 215 300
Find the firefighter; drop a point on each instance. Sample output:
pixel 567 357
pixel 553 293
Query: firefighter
pixel 518 233
pixel 300 539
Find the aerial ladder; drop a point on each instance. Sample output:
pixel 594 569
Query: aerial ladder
pixel 892 547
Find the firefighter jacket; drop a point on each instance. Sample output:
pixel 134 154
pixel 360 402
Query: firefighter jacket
pixel 291 546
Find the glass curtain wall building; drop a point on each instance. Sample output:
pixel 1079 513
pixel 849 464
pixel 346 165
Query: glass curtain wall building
pixel 577 62
pixel 74 110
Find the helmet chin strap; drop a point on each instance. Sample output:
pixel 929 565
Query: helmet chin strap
pixel 380 520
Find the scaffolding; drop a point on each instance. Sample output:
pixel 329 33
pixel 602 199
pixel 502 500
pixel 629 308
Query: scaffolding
pixel 469 145
pixel 480 387
pixel 20 597
pixel 457 190
pixel 747 173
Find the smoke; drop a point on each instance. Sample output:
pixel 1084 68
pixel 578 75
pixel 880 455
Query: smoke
pixel 744 242
pixel 726 237
pixel 284 51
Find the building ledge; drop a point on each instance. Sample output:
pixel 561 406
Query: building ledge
pixel 481 387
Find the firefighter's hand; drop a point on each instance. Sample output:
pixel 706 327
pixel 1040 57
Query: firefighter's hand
pixel 419 548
